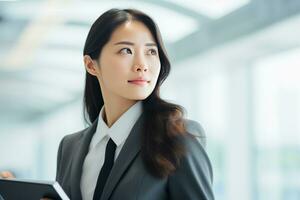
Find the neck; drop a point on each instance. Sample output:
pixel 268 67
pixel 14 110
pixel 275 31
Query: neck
pixel 113 110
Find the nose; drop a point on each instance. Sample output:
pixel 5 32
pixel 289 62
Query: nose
pixel 140 62
pixel 140 68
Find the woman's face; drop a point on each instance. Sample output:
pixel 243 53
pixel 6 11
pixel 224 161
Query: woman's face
pixel 129 63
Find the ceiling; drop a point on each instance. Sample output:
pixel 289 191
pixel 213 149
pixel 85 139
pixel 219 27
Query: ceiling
pixel 41 43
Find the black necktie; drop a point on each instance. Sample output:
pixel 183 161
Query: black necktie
pixel 106 168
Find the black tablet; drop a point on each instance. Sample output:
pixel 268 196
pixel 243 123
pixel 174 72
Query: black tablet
pixel 16 189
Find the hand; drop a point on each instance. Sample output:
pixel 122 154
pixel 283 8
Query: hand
pixel 7 175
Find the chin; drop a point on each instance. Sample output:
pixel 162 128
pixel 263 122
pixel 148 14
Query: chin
pixel 139 97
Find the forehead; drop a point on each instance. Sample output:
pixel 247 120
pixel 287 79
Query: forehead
pixel 133 31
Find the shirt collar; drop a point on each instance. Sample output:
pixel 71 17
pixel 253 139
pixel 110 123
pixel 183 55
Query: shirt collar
pixel 120 130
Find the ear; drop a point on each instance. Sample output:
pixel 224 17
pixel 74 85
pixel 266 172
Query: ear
pixel 90 65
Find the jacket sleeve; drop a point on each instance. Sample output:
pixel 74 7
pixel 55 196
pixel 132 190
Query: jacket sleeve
pixel 58 162
pixel 193 178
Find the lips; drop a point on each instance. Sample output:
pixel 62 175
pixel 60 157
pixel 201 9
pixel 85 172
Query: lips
pixel 139 81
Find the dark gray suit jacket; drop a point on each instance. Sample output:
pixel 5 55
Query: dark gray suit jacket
pixel 129 179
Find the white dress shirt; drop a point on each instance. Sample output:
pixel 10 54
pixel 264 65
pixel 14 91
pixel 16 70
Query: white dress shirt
pixel 94 159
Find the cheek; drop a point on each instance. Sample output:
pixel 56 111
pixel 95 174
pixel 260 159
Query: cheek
pixel 115 72
pixel 116 65
pixel 156 68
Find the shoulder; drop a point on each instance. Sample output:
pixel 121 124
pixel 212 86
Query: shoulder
pixel 195 142
pixel 195 145
pixel 66 147
pixel 195 130
pixel 69 141
pixel 194 175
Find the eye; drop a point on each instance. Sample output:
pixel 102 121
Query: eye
pixel 125 51
pixel 152 51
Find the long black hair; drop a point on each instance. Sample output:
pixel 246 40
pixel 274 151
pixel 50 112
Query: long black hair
pixel 163 125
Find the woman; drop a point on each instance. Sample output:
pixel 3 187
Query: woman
pixel 138 146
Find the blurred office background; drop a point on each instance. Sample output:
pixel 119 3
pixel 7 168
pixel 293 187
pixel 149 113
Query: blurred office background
pixel 236 70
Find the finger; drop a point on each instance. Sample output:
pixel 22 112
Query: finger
pixel 6 174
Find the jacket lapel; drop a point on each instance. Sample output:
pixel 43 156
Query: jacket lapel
pixel 79 154
pixel 129 151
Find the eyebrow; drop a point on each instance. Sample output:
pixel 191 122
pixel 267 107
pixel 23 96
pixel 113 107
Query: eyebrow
pixel 132 44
